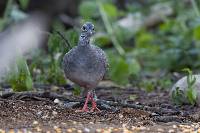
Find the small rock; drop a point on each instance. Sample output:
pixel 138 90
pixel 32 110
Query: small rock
pixel 121 116
pixel 70 104
pixel 171 131
pixel 54 113
pixel 98 130
pixel 91 122
pixel 69 130
pixel 86 130
pixel 79 131
pixel 154 114
pixel 35 122
pixel 160 130
pixel 174 126
pixel 39 113
pixel 56 101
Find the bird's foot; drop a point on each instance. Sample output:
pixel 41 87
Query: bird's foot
pixel 85 107
pixel 94 106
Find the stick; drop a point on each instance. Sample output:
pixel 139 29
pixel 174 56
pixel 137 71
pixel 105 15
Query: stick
pixel 62 36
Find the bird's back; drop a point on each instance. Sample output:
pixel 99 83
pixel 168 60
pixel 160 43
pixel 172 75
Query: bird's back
pixel 85 65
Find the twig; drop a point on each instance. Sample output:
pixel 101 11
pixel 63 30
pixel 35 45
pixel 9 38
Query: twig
pixel 195 7
pixel 62 36
pixel 33 95
pixel 168 119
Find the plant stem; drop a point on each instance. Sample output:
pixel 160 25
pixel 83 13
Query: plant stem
pixel 8 8
pixel 195 7
pixel 109 29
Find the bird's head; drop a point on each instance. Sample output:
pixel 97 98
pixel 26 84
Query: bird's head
pixel 87 30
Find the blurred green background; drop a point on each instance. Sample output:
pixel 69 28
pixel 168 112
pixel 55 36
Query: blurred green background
pixel 148 42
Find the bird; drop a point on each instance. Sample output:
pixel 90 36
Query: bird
pixel 86 65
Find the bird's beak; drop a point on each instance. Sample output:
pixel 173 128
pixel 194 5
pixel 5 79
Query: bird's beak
pixel 92 32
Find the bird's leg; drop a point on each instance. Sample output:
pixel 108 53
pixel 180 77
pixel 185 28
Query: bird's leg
pixel 94 104
pixel 85 107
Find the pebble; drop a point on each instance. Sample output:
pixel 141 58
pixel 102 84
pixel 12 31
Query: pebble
pixel 38 129
pixel 171 131
pixel 86 130
pixel 91 122
pixel 54 113
pixel 39 113
pixel 120 116
pixel 56 101
pixel 79 131
pixel 35 122
pixel 98 130
pixel 69 130
pixel 160 130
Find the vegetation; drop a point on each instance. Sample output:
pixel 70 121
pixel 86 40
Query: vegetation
pixel 142 51
pixel 190 94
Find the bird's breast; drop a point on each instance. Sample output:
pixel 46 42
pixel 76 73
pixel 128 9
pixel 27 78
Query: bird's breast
pixel 84 66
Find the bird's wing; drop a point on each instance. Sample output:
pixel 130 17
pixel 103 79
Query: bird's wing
pixel 104 59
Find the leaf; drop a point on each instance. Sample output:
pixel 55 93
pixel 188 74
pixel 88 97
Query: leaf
pixel 144 39
pixel 133 97
pixel 178 96
pixel 120 70
pixel 196 33
pixel 192 95
pixel 24 3
pixel 19 77
pixel 72 37
pixel 187 70
pixel 77 90
pixel 88 9
pixel 134 66
pixel 102 39
pixel 110 10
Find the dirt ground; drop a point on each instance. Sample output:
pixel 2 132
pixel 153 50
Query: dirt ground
pixel 130 110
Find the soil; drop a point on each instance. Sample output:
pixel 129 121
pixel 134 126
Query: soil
pixel 131 109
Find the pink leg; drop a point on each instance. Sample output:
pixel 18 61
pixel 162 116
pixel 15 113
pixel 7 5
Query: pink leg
pixel 94 104
pixel 85 107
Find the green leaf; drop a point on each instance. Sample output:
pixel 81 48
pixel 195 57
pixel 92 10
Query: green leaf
pixel 110 10
pixel 134 66
pixel 133 97
pixel 178 96
pixel 72 37
pixel 102 39
pixel 77 90
pixel 120 70
pixel 144 40
pixel 24 3
pixel 19 77
pixel 192 96
pixel 88 9
pixel 196 33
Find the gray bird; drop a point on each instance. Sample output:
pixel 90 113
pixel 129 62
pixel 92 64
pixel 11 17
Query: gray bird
pixel 86 65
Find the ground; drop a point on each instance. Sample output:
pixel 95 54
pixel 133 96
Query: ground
pixel 130 109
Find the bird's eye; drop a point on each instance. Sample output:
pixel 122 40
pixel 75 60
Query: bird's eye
pixel 84 28
pixel 92 28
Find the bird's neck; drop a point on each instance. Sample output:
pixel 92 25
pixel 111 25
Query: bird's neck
pixel 84 40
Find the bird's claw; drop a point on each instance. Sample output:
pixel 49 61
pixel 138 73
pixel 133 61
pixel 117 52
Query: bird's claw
pixel 95 108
